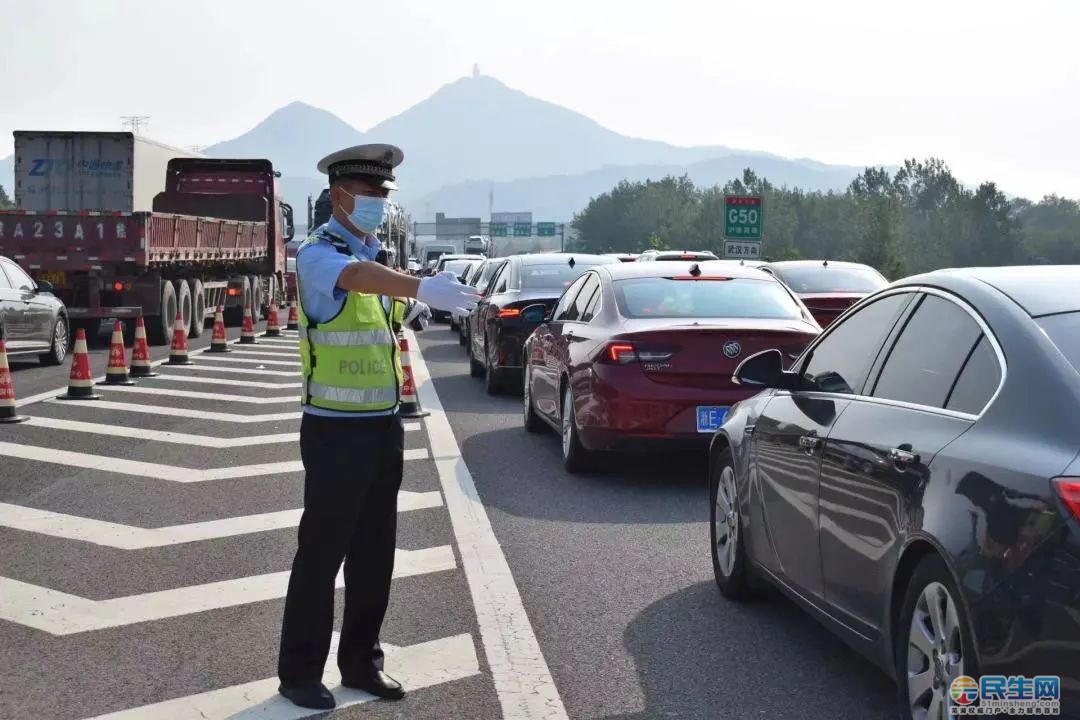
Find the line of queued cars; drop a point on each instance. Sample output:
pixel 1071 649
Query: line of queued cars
pixel 902 460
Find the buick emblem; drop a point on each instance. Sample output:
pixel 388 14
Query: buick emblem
pixel 732 349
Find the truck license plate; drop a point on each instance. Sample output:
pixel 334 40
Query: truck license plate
pixel 710 417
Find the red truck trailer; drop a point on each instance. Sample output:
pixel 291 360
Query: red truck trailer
pixel 215 236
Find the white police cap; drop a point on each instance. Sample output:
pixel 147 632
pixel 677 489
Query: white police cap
pixel 375 160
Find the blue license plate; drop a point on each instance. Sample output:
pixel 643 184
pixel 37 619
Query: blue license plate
pixel 710 417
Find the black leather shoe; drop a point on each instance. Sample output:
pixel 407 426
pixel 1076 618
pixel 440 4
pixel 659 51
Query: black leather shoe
pixel 377 683
pixel 316 696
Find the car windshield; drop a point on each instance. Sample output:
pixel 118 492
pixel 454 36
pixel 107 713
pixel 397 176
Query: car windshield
pixel 456 266
pixel 480 280
pixel 1064 332
pixel 823 279
pixel 551 277
pixel 658 297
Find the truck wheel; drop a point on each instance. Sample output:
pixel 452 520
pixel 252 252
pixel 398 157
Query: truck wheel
pixel 159 328
pixel 256 298
pixel 183 293
pixel 198 309
pixel 272 294
pixel 234 315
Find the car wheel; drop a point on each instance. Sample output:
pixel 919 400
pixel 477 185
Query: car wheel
pixel 58 349
pixel 492 384
pixel 931 643
pixel 462 338
pixel 533 423
pixel 576 458
pixel 453 323
pixel 476 368
pixel 725 530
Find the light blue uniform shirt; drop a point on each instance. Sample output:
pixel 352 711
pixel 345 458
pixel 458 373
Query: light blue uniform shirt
pixel 318 267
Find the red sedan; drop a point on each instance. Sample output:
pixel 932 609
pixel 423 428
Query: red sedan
pixel 637 355
pixel 827 287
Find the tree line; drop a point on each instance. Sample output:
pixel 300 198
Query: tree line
pixel 911 220
pixel 5 201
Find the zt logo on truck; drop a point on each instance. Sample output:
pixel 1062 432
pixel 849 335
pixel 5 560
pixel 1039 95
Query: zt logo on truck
pixel 42 167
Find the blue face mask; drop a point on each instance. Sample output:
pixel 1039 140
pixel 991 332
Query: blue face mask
pixel 368 212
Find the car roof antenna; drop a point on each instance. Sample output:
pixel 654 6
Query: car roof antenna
pixel 695 270
pixel 825 263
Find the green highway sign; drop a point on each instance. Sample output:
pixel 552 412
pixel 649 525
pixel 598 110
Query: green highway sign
pixel 499 229
pixel 522 229
pixel 743 218
pixel 545 229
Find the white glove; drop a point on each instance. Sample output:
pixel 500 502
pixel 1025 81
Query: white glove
pixel 444 292
pixel 418 310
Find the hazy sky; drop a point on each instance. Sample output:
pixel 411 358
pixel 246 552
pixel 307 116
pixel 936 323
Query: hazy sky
pixel 992 87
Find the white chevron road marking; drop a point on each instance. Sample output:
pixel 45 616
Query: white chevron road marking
pixel 182 412
pixel 59 613
pixel 249 361
pixel 130 537
pixel 163 436
pixel 196 395
pixel 169 377
pixel 233 370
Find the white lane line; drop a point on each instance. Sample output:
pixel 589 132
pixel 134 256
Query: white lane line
pixel 196 395
pixel 412 426
pixel 59 613
pixel 249 361
pixel 131 537
pixel 169 377
pixel 521 676
pixel 182 412
pixel 416 666
pixel 156 471
pixel 136 468
pixel 162 436
pixel 234 371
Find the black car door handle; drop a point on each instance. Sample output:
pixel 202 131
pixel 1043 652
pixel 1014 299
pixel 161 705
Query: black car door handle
pixel 900 456
pixel 809 442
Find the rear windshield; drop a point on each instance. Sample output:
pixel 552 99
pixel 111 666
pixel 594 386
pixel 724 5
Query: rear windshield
pixel 551 277
pixel 831 279
pixel 664 297
pixel 457 266
pixel 1064 331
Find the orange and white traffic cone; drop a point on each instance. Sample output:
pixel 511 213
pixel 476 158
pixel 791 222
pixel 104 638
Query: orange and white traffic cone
pixel 410 403
pixel 80 384
pixel 178 353
pixel 7 391
pixel 293 323
pixel 272 327
pixel 140 352
pixel 117 372
pixel 247 331
pixel 219 343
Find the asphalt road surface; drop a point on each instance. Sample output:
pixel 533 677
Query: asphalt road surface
pixel 145 541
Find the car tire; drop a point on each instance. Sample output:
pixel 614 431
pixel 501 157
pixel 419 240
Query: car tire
pixel 476 368
pixel 61 343
pixel 576 459
pixel 931 648
pixel 453 323
pixel 533 422
pixel 726 530
pixel 463 339
pixel 492 381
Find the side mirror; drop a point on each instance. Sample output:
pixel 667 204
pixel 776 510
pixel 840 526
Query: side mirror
pixel 762 370
pixel 44 286
pixel 288 230
pixel 534 313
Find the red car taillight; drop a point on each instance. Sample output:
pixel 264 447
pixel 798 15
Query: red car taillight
pixel 1068 489
pixel 618 353
pixel 509 313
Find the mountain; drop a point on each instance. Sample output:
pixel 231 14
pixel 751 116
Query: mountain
pixel 7 175
pixel 556 198
pixel 295 137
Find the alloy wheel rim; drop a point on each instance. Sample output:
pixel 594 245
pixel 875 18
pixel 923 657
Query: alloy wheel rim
pixel 935 654
pixel 60 340
pixel 567 419
pixel 726 521
pixel 525 393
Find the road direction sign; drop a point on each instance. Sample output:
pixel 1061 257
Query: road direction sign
pixel 522 229
pixel 743 217
pixel 742 250
pixel 499 229
pixel 545 229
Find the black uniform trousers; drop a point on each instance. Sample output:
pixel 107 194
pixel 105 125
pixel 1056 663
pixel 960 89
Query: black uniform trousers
pixel 353 469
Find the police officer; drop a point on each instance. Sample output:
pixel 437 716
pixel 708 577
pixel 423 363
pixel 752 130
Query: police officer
pixel 351 438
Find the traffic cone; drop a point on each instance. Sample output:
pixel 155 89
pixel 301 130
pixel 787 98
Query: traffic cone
pixel 80 384
pixel 7 391
pixel 140 352
pixel 410 403
pixel 272 327
pixel 293 323
pixel 117 372
pixel 220 342
pixel 178 354
pixel 247 331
